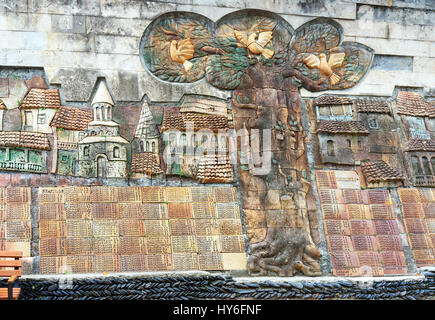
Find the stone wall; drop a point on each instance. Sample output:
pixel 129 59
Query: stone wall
pixel 76 43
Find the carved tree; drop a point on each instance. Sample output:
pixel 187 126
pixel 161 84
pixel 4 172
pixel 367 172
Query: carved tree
pixel 259 56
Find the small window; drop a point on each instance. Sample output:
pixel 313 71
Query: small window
pixel 42 118
pixel 349 143
pixel 153 146
pixel 330 150
pixel 116 152
pixel 86 151
pixel 373 123
pixel 359 144
pixel 148 146
pixel 141 146
pixel 426 166
pixel 64 158
pixel 416 165
pixel 28 118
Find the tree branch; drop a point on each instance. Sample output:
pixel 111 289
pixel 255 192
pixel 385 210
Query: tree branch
pixel 307 83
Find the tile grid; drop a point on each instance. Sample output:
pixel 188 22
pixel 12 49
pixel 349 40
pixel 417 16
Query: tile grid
pixel 108 229
pixel 361 230
pixel 418 209
pixel 15 225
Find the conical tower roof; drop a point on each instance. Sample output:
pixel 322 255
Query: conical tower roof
pixel 146 128
pixel 102 95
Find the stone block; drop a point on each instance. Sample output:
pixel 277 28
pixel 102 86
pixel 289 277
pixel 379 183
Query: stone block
pixel 115 44
pixel 68 24
pixel 116 26
pixel 114 8
pixel 88 7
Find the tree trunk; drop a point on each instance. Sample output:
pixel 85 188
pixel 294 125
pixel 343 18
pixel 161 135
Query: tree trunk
pixel 276 204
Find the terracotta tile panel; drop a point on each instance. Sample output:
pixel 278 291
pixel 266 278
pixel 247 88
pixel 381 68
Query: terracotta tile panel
pixel 179 210
pixel 51 195
pixel 420 241
pixel 346 272
pixel 132 245
pixel 353 196
pixel 335 211
pixel 388 227
pixel 17 211
pixel 81 264
pixel 159 262
pixel 131 228
pixel 177 194
pixel 430 223
pixel 78 211
pixel 78 246
pixel 153 194
pixel 182 227
pixel 184 244
pixel 106 211
pixel 105 228
pixel 362 227
pixel 136 262
pixel 331 196
pixel 326 179
pixel 225 194
pixel 18 230
pixel 228 210
pixel 52 265
pixel 129 194
pixel 232 244
pixel 415 225
pixel 337 227
pixel 202 194
pixel 409 195
pixel 52 211
pixel 153 211
pixel 389 242
pixel 230 226
pixel 393 258
pixel 369 258
pixel 358 212
pixel 364 243
pixel 106 245
pixel 208 244
pixel 161 245
pixel 344 259
pixel 429 210
pixel 51 229
pixel 424 257
pixel 390 270
pixel 185 261
pixel 205 210
pixel 412 210
pixel 77 194
pixel 210 261
pixel 382 211
pixel 107 263
pixel 78 228
pixel 206 227
pixel 339 243
pixel 156 228
pixel 52 247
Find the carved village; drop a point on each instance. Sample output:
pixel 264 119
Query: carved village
pixel 270 176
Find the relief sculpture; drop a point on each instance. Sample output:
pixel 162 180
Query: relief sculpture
pixel 265 62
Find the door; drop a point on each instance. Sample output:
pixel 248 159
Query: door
pixel 101 167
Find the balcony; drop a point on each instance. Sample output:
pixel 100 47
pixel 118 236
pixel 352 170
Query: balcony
pixel 21 166
pixel 424 181
pixel 62 145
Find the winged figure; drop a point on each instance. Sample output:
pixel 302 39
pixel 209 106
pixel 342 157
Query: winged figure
pixel 255 42
pixel 181 51
pixel 326 67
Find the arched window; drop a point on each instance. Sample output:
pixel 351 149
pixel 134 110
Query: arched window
pixel 359 144
pixel 183 140
pixel 204 140
pixel 148 146
pixel 432 162
pixel 86 151
pixel 426 166
pixel 153 146
pixel 116 152
pixel 330 148
pixel 213 141
pixel 416 165
pixel 109 113
pixel 223 142
pixel 193 140
pixel 172 139
pixel 349 143
pixel 141 146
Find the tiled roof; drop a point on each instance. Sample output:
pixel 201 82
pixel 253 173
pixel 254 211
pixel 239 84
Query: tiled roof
pixel 2 105
pixel 334 126
pixel 373 106
pixel 145 162
pixel 174 119
pixel 72 119
pixel 421 145
pixel 146 127
pixel 326 100
pixel 41 98
pixel 413 104
pixel 376 171
pixel 32 140
pixel 213 168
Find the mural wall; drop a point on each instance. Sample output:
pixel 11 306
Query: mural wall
pixel 258 180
